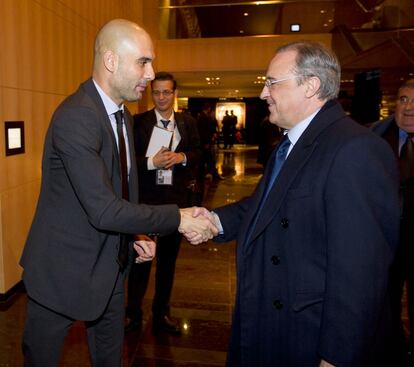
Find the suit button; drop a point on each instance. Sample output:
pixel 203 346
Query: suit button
pixel 275 260
pixel 278 305
pixel 284 223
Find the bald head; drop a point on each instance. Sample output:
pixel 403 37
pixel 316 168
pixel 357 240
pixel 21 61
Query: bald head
pixel 116 36
pixel 123 60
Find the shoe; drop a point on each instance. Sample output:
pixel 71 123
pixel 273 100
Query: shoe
pixel 133 325
pixel 165 325
pixel 218 177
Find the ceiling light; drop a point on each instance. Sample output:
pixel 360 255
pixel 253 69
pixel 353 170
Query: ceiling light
pixel 207 78
pixel 241 31
pixel 323 11
pixel 295 27
pixel 246 14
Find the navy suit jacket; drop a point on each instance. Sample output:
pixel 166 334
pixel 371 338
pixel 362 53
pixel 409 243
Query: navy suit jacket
pixel 312 278
pixel 70 257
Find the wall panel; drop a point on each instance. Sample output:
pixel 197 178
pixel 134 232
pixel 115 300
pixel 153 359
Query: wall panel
pixel 49 51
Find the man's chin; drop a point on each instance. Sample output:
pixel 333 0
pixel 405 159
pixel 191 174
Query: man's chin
pixel 134 98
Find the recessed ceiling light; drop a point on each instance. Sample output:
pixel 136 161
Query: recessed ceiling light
pixel 323 11
pixel 241 31
pixel 246 14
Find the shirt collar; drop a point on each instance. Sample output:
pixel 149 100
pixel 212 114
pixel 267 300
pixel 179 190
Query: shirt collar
pixel 296 132
pixel 110 106
pixel 159 117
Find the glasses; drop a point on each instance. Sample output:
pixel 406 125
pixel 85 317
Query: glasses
pixel 270 81
pixel 165 93
pixel 405 100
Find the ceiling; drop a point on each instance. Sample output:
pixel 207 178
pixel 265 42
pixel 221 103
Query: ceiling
pixel 367 35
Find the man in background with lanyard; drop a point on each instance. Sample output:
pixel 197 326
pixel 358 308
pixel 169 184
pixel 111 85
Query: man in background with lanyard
pixel 163 178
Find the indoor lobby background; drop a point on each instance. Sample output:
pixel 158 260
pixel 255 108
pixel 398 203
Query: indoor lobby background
pixel 47 49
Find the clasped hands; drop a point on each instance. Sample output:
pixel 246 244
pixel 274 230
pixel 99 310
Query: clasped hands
pixel 198 225
pixel 166 158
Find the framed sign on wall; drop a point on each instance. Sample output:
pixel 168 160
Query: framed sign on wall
pixel 14 134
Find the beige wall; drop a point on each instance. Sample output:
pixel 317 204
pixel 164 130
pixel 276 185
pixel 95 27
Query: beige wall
pixel 46 52
pixel 224 54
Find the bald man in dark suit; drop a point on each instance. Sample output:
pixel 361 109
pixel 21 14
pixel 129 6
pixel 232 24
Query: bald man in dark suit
pixel 77 252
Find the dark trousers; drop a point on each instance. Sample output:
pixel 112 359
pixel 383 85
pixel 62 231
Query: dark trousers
pixel 45 331
pixel 402 271
pixel 166 255
pixel 207 162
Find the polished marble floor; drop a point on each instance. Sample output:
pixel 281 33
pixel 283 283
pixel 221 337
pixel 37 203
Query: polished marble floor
pixel 202 298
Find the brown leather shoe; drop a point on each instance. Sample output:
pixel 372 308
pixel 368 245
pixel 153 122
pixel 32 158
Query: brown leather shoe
pixel 165 325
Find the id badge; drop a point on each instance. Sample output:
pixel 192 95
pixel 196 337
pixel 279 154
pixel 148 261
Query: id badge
pixel 164 177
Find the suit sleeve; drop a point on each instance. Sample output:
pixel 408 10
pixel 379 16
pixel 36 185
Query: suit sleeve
pixel 193 150
pixel 80 142
pixel 231 217
pixel 362 214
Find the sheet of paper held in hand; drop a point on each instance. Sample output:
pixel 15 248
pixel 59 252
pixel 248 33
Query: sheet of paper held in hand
pixel 160 138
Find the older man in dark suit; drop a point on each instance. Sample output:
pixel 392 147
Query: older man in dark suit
pixel 316 238
pixel 176 164
pixel 398 131
pixel 77 253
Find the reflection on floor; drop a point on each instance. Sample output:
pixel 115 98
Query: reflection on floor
pixel 202 298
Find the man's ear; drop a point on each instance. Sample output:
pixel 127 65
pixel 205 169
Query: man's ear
pixel 110 60
pixel 313 85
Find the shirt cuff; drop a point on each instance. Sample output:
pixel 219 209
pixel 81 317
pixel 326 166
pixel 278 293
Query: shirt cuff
pixel 150 164
pixel 184 162
pixel 218 223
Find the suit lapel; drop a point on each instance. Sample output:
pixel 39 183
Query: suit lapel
pixel 179 120
pixel 105 121
pixel 297 159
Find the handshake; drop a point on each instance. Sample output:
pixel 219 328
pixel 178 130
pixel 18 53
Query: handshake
pixel 198 224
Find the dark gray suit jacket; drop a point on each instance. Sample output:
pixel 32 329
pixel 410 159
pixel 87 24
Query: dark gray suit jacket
pixel 70 258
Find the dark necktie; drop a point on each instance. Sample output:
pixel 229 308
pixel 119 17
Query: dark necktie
pixel 122 154
pixel 165 123
pixel 278 160
pixel 407 159
pixel 123 247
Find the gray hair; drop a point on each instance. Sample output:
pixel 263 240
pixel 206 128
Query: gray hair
pixel 313 59
pixel 407 84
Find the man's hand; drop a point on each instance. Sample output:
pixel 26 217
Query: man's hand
pixel 173 158
pixel 145 248
pixel 325 364
pixel 165 158
pixel 197 224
